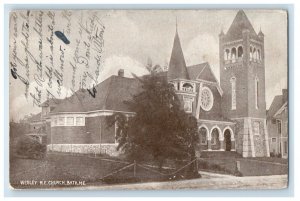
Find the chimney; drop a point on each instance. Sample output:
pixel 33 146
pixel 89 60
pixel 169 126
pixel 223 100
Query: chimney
pixel 121 73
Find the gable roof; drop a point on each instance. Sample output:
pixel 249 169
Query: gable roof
pixel 35 117
pixel 278 102
pixel 239 24
pixel 110 95
pixel 195 70
pixel 177 65
pixel 202 71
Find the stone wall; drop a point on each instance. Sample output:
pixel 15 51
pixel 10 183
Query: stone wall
pixel 249 143
pixel 110 149
pixel 259 140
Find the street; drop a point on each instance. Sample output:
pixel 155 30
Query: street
pixel 208 181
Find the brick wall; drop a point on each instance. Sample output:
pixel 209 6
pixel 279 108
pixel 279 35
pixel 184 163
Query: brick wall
pixel 217 146
pixel 69 135
pixel 215 112
pixel 98 130
pixel 94 131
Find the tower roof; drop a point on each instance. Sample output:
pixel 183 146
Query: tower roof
pixel 177 65
pixel 239 24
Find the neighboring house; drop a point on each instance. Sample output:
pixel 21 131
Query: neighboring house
pixel 37 129
pixel 277 122
pixel 39 123
pixel 231 114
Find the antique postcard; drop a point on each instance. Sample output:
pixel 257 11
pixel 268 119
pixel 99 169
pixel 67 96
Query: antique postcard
pixel 148 99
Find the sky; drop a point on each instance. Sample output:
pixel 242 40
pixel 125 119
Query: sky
pixel 132 37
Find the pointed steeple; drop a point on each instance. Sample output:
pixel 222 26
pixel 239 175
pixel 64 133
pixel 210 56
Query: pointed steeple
pixel 260 33
pixel 177 65
pixel 239 24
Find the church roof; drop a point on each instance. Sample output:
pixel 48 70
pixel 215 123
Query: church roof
pixel 202 71
pixel 195 70
pixel 239 24
pixel 110 95
pixel 177 65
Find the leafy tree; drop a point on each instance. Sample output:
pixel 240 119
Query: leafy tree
pixel 160 129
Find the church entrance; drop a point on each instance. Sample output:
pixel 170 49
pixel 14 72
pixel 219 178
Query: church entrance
pixel 227 137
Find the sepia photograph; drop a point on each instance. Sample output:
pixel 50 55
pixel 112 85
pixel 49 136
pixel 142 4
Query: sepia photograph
pixel 148 99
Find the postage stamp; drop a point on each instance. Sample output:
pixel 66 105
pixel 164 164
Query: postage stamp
pixel 148 99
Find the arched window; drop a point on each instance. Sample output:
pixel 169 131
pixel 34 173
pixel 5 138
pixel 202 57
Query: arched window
pixel 226 54
pixel 187 87
pixel 203 135
pixel 240 52
pixel 258 54
pixel 251 53
pixel 254 54
pixel 214 136
pixel 233 54
pixel 256 92
pixel 188 104
pixel 233 93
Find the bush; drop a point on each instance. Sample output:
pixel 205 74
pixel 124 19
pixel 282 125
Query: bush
pixel 27 147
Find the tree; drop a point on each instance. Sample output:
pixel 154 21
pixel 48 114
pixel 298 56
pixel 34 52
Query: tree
pixel 160 129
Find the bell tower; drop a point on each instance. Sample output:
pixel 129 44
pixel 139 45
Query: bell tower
pixel 242 78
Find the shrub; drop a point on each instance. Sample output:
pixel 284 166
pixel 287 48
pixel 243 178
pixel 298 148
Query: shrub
pixel 28 147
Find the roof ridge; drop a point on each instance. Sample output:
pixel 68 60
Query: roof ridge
pixel 201 70
pixel 194 65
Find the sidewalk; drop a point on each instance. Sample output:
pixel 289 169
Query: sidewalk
pixel 208 181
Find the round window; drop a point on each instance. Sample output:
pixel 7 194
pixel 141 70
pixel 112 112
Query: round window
pixel 207 99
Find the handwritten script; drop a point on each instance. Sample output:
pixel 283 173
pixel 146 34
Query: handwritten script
pixel 55 53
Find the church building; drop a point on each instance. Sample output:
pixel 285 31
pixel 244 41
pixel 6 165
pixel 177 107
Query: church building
pixel 231 114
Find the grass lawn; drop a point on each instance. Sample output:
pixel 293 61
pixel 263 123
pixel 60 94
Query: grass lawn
pixel 94 171
pixel 57 167
pixel 248 166
pixel 62 167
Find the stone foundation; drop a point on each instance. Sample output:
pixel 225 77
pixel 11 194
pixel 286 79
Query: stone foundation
pixel 250 144
pixel 109 149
